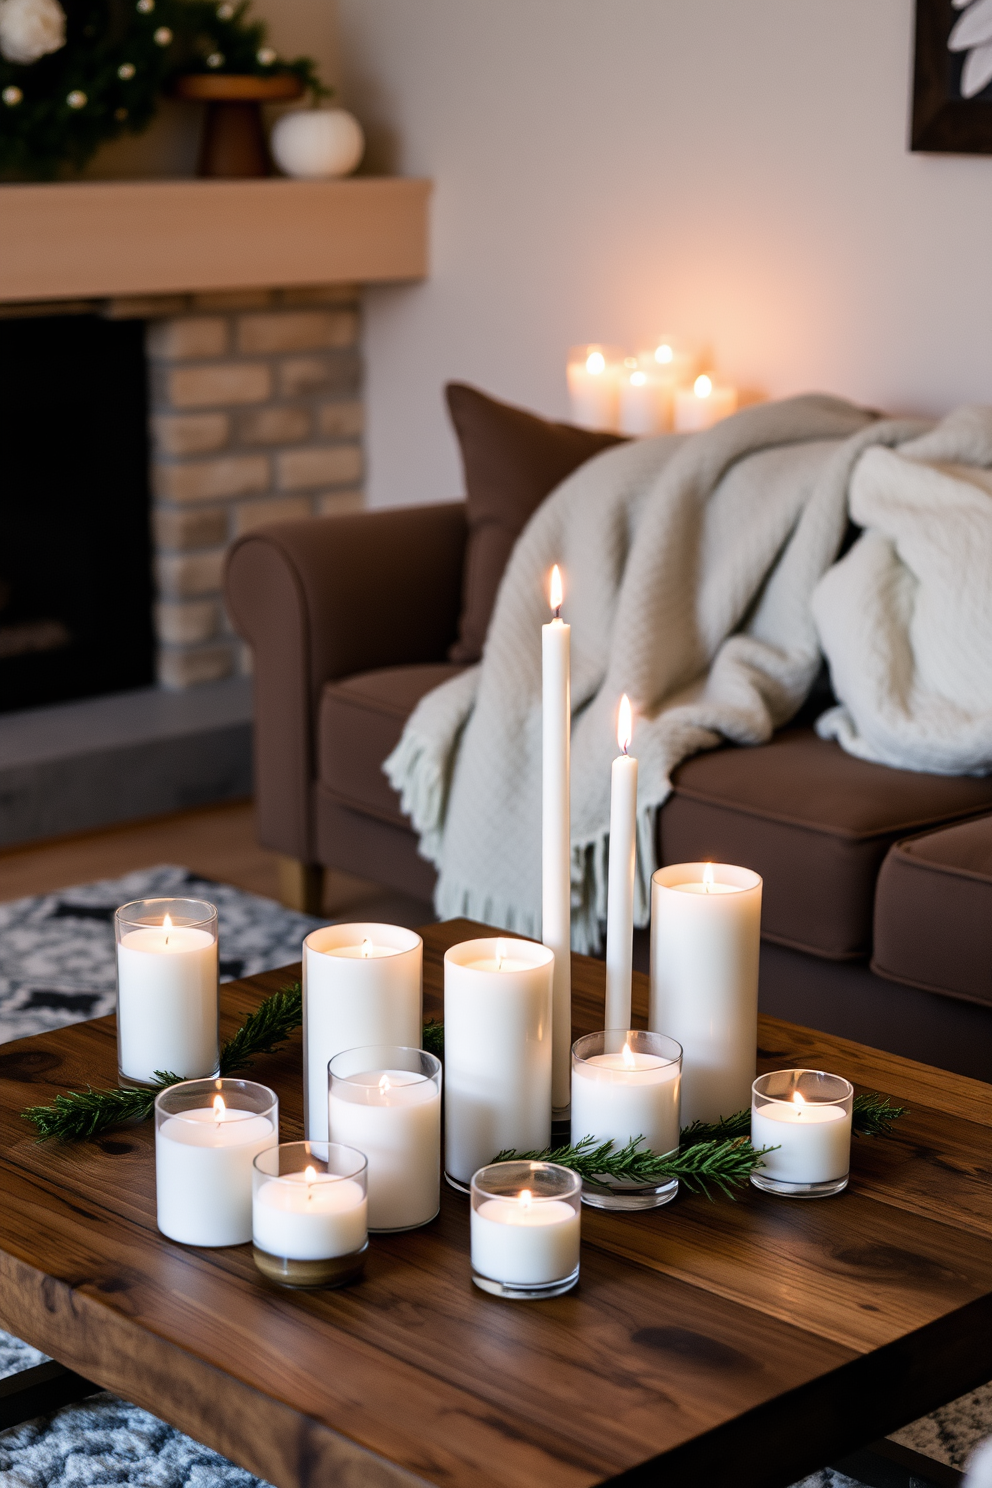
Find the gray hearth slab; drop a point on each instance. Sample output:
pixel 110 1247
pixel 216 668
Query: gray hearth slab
pixel 89 764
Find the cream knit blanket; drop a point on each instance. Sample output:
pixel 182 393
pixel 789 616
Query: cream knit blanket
pixel 690 566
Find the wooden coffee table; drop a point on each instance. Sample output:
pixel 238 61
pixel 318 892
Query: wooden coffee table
pixel 707 1344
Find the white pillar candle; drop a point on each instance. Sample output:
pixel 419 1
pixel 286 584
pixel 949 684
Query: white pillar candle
pixel 703 405
pixel 497 1052
pixel 166 998
pixel 309 1216
pixel 525 1242
pixel 623 861
pixel 642 402
pixel 362 984
pixel 203 1166
pixel 556 832
pixel 705 943
pixel 622 1095
pixel 593 382
pixel 393 1115
pixel 813 1143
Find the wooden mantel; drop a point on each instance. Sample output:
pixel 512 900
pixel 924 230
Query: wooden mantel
pixel 105 238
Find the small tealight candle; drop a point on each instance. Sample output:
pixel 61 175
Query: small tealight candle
pixel 166 989
pixel 386 1101
pixel 593 384
pixel 362 984
pixel 625 1084
pixel 805 1115
pixel 525 1229
pixel 310 1214
pixel 497 1052
pixel 703 405
pixel 207 1135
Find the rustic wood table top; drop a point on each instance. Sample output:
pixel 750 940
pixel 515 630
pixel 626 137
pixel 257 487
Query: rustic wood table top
pixel 741 1343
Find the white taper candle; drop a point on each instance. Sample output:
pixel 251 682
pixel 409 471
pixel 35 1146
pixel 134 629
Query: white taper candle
pixel 623 855
pixel 556 898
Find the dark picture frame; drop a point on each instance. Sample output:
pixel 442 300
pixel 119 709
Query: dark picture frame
pixel 943 121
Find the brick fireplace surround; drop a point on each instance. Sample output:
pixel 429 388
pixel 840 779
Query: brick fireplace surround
pixel 255 417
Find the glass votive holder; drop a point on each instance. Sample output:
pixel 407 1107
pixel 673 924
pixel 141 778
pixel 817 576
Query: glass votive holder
pixel 166 990
pixel 805 1115
pixel 626 1084
pixel 207 1135
pixel 310 1214
pixel 526 1223
pixel 385 1100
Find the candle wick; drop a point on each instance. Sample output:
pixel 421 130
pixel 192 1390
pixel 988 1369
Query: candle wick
pixel 557 612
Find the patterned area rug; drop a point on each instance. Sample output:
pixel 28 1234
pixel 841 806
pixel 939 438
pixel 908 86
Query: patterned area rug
pixel 57 967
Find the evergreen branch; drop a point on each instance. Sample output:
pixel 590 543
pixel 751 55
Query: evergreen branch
pixel 264 1030
pixel 727 1129
pixel 873 1116
pixel 433 1040
pixel 727 1165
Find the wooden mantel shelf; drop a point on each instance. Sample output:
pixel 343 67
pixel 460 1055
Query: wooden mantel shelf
pixel 104 238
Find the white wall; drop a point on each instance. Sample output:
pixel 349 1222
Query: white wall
pixel 734 170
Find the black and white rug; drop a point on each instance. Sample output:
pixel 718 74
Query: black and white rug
pixel 57 967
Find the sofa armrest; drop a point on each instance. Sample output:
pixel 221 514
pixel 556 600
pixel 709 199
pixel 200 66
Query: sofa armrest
pixel 326 598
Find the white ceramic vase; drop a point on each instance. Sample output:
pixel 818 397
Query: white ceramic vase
pixel 315 144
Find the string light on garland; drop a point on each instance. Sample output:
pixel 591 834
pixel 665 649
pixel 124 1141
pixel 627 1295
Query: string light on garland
pixel 12 96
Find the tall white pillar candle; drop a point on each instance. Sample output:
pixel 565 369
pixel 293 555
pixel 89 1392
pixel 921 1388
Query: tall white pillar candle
pixel 623 861
pixel 593 384
pixel 556 832
pixel 705 942
pixel 387 1102
pixel 703 405
pixel 497 1052
pixel 166 989
pixel 207 1135
pixel 362 984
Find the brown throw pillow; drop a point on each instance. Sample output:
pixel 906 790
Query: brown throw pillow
pixel 511 459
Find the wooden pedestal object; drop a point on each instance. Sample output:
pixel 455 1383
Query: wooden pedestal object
pixel 234 143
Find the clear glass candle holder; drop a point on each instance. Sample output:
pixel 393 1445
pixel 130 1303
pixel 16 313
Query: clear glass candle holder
pixel 805 1115
pixel 526 1224
pixel 386 1101
pixel 627 1084
pixel 167 991
pixel 207 1135
pixel 310 1214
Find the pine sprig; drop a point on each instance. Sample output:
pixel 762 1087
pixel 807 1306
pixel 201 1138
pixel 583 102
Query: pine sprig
pixel 726 1165
pixel 85 1113
pixel 434 1038
pixel 872 1117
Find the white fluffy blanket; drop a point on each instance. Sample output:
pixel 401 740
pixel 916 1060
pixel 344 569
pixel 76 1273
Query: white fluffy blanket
pixel 691 565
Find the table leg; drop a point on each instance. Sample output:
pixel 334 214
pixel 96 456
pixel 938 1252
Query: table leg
pixel 40 1390
pixel 888 1464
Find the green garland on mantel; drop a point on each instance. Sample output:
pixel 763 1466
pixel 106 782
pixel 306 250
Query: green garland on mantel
pixel 720 1154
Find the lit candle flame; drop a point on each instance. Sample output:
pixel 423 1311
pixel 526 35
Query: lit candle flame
pixel 310 1176
pixel 526 1198
pixel 625 727
pixel 663 353
pixel 555 591
pixel 219 1109
pixel 384 1084
pixel 703 386
pixel 629 1062
pixel 595 364
pixel 708 878
pixel 366 948
pixel 797 1100
pixel 167 926
pixel 500 954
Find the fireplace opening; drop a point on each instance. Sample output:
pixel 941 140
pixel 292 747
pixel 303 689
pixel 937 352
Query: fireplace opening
pixel 75 545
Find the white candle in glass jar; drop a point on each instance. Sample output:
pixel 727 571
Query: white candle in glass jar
pixel 524 1241
pixel 617 1097
pixel 394 1118
pixel 309 1216
pixel 812 1142
pixel 622 865
pixel 203 1164
pixel 705 945
pixel 556 831
pixel 167 1002
pixel 362 984
pixel 703 405
pixel 497 1051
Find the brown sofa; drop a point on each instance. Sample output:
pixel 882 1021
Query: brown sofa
pixel 877 917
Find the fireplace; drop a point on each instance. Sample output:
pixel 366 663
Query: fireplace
pixel 75 560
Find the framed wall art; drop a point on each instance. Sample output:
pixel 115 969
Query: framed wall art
pixel 952 77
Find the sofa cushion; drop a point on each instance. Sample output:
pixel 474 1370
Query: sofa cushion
pixel 814 822
pixel 361 719
pixel 933 912
pixel 511 460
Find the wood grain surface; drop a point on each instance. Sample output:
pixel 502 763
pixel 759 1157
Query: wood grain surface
pixel 742 1342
